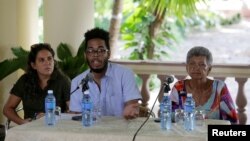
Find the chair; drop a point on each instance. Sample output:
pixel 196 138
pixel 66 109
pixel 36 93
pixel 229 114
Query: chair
pixel 2 132
pixel 4 128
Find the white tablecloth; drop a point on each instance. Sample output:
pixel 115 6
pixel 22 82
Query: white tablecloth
pixel 108 129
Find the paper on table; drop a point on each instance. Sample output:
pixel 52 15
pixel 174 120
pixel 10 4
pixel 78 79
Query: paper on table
pixel 66 116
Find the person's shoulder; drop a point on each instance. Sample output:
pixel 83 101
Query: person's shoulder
pixel 59 75
pixel 24 77
pixel 80 76
pixel 219 82
pixel 120 67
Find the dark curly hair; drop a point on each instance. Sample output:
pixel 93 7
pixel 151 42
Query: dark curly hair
pixel 97 33
pixel 35 48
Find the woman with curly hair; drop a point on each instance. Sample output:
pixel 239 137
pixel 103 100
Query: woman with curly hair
pixel 31 88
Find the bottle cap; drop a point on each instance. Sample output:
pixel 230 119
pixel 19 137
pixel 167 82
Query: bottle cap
pixel 166 94
pixel 86 92
pixel 50 91
pixel 189 95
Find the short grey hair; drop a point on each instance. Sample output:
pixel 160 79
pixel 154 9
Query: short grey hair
pixel 200 51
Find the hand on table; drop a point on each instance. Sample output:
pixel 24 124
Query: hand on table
pixel 131 110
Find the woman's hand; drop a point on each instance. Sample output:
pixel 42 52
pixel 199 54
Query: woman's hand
pixel 36 116
pixel 26 120
pixel 39 115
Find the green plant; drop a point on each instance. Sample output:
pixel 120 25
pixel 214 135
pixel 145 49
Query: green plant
pixel 154 26
pixel 9 66
pixel 69 64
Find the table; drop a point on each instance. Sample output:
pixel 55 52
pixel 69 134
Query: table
pixel 108 129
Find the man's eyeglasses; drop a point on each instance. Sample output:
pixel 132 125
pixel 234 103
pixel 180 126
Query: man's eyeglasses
pixel 99 51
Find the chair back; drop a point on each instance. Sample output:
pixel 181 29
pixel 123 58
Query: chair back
pixel 2 132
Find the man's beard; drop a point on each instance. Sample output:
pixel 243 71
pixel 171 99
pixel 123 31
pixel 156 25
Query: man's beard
pixel 100 70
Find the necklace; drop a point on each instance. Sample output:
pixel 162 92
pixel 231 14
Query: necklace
pixel 200 94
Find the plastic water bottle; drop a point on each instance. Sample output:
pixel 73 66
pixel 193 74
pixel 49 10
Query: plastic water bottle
pixel 189 113
pixel 87 110
pixel 50 107
pixel 166 112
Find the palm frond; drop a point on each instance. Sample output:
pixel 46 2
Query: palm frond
pixel 70 65
pixel 173 7
pixel 9 66
pixel 19 52
pixel 63 51
pixel 81 49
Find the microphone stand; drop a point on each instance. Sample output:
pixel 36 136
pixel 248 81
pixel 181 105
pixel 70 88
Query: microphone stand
pixel 85 87
pixel 75 90
pixel 84 84
pixel 166 90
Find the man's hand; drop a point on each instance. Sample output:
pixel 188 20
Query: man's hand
pixel 131 109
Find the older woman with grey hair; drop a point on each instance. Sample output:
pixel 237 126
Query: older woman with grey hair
pixel 210 95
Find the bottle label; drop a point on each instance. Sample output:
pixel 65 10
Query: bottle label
pixel 50 105
pixel 87 106
pixel 189 108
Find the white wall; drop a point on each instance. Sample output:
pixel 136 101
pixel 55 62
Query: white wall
pixel 66 21
pixel 8 39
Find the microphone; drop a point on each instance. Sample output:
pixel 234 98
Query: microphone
pixel 84 82
pixel 166 86
pixel 169 80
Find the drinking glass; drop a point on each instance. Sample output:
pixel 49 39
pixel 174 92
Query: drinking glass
pixel 179 116
pixel 58 113
pixel 97 114
pixel 200 117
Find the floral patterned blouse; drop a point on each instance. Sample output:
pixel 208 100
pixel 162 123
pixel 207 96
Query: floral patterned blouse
pixel 219 106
